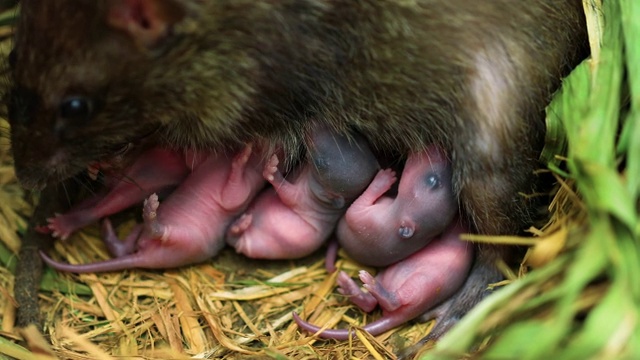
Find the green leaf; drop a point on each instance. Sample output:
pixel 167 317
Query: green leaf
pixel 630 10
pixel 611 321
pixel 459 339
pixel 605 191
pixel 574 90
pixel 633 154
pixel 8 257
pixel 52 281
pixel 13 350
pixel 631 30
pixel 527 340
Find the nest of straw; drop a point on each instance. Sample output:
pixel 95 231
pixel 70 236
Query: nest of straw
pixel 576 295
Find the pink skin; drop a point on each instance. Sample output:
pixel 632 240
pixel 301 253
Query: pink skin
pixel 277 226
pixel 190 224
pixel 408 288
pixel 293 219
pixel 378 230
pixel 155 170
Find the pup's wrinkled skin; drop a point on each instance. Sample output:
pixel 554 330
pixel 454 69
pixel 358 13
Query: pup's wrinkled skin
pixel 295 217
pixel 379 230
pixel 408 288
pixel 471 76
pixel 189 226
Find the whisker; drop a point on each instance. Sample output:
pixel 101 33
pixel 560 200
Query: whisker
pixel 84 184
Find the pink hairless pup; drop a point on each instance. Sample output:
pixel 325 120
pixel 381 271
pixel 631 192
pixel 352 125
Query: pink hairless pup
pixel 408 288
pixel 189 226
pixel 294 217
pixel 379 230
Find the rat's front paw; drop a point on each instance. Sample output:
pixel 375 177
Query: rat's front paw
pixel 384 179
pixel 241 159
pixel 271 168
pixel 62 226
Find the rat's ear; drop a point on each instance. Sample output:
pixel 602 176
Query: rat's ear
pixel 148 22
pixel 407 228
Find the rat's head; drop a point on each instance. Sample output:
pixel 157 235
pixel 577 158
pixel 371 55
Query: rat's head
pixel 343 162
pixel 92 76
pixel 66 106
pixel 426 177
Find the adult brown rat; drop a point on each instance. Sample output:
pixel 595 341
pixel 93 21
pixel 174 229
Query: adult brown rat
pixel 471 76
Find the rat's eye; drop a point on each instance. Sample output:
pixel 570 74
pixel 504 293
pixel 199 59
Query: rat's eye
pixel 76 108
pixel 433 181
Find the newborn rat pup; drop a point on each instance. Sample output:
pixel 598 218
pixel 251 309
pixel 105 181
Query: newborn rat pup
pixel 154 170
pixel 189 226
pixel 408 288
pixel 295 217
pixel 379 230
pixel 470 76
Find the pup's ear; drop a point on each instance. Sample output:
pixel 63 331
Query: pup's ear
pixel 148 22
